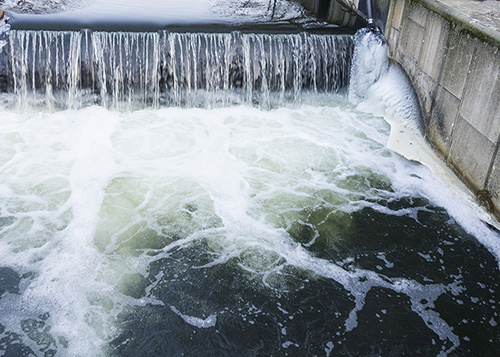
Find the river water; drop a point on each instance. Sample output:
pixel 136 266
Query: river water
pixel 260 217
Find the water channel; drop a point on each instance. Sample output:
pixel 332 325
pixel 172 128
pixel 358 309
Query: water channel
pixel 230 193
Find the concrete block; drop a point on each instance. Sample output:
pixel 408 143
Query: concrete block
pixel 426 88
pixel 338 15
pixel 392 40
pixel 442 118
pixel 481 100
pixel 457 61
pixel 408 62
pixel 471 154
pixel 493 185
pixel 397 18
pixel 417 13
pixel 412 35
pixel 433 47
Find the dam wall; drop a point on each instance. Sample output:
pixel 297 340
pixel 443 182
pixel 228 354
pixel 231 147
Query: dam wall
pixel 450 50
pixel 453 60
pixel 344 13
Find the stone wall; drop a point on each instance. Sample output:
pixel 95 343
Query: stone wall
pixel 455 68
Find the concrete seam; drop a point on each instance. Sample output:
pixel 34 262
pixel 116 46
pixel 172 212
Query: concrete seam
pixel 461 101
pixel 457 115
pixel 445 55
pixel 458 18
pixel 390 16
pixel 492 163
pixel 438 82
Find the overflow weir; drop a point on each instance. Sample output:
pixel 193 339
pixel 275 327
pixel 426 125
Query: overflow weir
pixel 171 69
pixel 73 60
pixel 449 48
pixel 176 187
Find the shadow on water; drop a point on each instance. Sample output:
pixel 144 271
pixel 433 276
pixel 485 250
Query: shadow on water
pixel 342 262
pixel 304 314
pixel 252 319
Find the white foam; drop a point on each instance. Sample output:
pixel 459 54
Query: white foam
pixel 96 196
pixel 369 63
pixel 388 93
pixel 210 321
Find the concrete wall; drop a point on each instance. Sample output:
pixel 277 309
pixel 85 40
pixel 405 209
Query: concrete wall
pixel 455 68
pixel 344 13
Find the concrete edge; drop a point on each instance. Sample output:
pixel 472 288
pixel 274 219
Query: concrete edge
pixel 427 84
pixel 454 16
pixel 51 22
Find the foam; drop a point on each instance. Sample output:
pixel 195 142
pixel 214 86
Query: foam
pixel 94 197
pixel 388 93
pixel 210 321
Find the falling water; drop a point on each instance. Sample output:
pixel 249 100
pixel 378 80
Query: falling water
pixel 218 194
pixel 134 70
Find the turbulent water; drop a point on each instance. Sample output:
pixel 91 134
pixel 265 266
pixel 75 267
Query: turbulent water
pixel 235 229
pixel 134 70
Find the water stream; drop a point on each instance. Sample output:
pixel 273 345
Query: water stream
pixel 137 70
pixel 228 194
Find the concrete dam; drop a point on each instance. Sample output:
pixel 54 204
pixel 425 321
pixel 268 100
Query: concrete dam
pixel 234 177
pixel 450 51
pixel 422 51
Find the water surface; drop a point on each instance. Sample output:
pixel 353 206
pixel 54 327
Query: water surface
pixel 234 227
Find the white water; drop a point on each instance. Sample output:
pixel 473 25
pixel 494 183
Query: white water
pixel 91 197
pixel 86 194
pixel 136 70
pixel 383 90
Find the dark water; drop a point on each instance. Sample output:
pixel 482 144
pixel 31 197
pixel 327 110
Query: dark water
pixel 233 228
pixel 304 314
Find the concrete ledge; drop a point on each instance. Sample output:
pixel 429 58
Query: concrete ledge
pixel 448 9
pixel 453 60
pixel 344 13
pixel 62 22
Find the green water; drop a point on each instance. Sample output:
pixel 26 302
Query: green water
pixel 233 231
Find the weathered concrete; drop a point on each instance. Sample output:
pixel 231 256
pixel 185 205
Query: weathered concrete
pixel 450 49
pixel 344 13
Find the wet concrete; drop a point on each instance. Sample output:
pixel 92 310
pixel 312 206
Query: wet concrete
pixel 450 49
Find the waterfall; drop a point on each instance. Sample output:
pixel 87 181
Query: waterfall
pixel 119 69
pixel 307 229
pixel 381 86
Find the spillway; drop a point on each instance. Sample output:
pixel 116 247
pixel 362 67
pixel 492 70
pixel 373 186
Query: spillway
pixel 229 193
pixel 76 69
